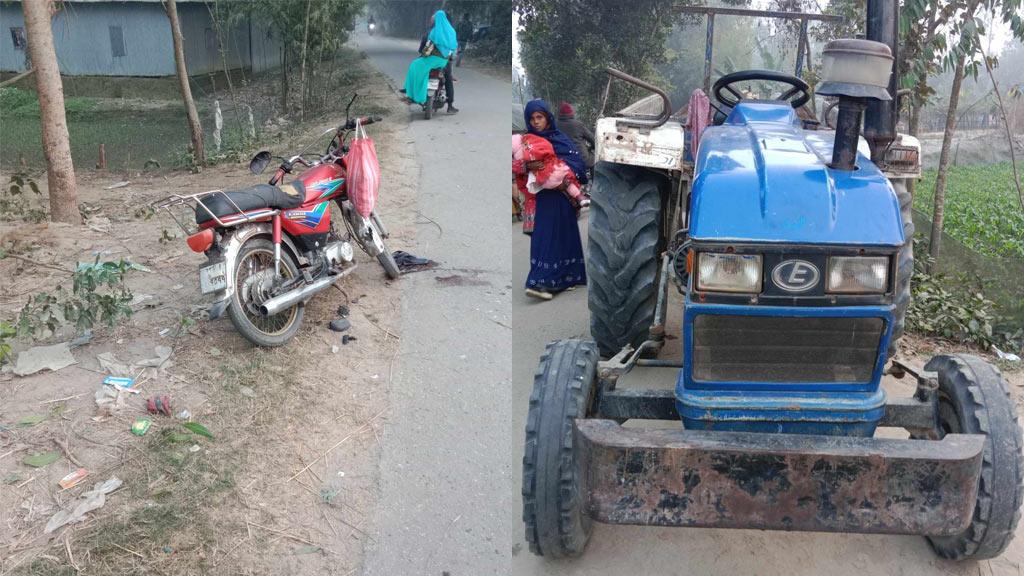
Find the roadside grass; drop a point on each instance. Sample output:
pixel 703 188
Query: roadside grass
pixel 182 507
pixel 136 130
pixel 982 209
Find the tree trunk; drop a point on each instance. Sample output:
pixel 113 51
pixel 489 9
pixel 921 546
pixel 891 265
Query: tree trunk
pixel 302 76
pixel 214 11
pixel 935 242
pixel 60 170
pixel 284 77
pixel 198 153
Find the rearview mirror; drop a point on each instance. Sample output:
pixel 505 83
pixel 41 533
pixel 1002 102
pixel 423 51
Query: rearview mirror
pixel 259 162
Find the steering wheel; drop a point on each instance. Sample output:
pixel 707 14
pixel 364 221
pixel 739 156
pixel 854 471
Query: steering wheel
pixel 798 87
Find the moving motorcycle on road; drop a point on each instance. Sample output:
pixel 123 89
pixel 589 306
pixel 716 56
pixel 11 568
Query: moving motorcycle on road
pixel 271 247
pixel 436 94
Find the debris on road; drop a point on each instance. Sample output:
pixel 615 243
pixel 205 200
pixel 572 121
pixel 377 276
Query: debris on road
pixel 340 324
pixel 117 367
pixel 159 404
pixel 73 479
pixel 408 263
pixel 1008 356
pixel 122 383
pixel 87 502
pixel 37 358
pixel 109 401
pixel 141 426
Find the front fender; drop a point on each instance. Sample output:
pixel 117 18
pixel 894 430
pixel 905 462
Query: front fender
pixel 230 246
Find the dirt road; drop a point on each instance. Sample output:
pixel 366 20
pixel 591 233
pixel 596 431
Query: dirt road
pixel 446 480
pixel 616 550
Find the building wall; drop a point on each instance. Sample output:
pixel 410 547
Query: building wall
pixel 86 40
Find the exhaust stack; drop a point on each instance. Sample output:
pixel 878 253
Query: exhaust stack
pixel 857 71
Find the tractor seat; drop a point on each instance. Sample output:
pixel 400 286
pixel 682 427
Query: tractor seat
pixel 257 197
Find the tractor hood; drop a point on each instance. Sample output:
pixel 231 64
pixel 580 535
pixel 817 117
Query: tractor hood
pixel 761 178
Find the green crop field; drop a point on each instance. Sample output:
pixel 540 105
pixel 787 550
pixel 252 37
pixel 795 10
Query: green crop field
pixel 982 208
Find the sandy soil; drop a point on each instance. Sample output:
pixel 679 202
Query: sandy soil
pixel 287 481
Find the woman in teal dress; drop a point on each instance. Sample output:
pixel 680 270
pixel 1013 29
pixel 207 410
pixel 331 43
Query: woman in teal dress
pixel 441 42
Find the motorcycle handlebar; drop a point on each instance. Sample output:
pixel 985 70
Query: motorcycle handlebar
pixel 365 121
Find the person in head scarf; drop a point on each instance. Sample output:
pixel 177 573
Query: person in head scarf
pixel 577 131
pixel 440 45
pixel 556 252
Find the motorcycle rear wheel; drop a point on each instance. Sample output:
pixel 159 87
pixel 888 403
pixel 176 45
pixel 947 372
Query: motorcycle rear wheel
pixel 253 269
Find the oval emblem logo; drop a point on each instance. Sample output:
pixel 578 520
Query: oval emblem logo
pixel 795 275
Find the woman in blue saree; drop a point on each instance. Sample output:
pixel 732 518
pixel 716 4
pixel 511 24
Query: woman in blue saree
pixel 441 42
pixel 556 252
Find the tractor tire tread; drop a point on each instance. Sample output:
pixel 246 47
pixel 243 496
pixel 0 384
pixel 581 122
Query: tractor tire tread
pixel 622 264
pixel 563 390
pixel 987 408
pixel 904 268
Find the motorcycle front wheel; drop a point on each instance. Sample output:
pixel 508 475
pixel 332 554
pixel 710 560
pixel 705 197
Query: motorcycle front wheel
pixel 373 247
pixel 254 278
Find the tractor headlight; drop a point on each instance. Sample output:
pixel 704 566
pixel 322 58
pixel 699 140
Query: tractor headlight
pixel 729 272
pixel 858 274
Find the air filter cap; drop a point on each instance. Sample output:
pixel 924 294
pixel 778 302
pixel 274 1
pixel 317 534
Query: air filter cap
pixel 856 68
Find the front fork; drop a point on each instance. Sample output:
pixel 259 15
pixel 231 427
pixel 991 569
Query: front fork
pixel 277 244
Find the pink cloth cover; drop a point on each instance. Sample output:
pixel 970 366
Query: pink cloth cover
pixel 699 117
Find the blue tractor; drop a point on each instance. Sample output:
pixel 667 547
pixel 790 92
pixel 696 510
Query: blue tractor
pixel 791 246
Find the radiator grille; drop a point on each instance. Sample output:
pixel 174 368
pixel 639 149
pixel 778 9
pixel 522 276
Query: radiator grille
pixel 793 350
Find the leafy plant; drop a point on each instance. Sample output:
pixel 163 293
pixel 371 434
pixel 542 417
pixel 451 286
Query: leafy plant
pixel 15 202
pixel 98 294
pixel 950 308
pixel 981 208
pixel 6 333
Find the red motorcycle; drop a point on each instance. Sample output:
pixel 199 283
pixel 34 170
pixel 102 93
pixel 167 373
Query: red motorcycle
pixel 271 247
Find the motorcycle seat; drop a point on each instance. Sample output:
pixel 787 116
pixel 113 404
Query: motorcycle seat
pixel 258 197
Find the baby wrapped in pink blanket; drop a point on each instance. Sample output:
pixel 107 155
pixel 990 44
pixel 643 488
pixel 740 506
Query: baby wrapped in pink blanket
pixel 529 148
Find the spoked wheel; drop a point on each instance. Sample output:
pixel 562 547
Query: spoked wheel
pixel 974 399
pixel 254 281
pixel 375 245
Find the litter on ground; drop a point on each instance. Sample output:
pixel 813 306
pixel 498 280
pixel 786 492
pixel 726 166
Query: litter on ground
pixel 37 358
pixel 87 502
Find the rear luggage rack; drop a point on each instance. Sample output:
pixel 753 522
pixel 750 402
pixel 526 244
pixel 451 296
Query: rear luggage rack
pixel 196 201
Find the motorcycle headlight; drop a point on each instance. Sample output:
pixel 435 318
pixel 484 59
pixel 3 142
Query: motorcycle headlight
pixel 858 274
pixel 729 272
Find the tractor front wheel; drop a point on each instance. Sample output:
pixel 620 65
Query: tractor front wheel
pixel 622 265
pixel 974 399
pixel 563 390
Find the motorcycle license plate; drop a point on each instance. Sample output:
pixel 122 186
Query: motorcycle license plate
pixel 433 84
pixel 213 278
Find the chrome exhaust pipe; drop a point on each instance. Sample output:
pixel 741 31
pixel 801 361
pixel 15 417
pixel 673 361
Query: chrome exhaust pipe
pixel 289 299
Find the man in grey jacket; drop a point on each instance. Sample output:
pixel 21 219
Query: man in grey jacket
pixel 580 134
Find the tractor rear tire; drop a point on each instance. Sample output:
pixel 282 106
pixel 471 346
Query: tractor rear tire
pixel 974 399
pixel 563 390
pixel 904 265
pixel 622 265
